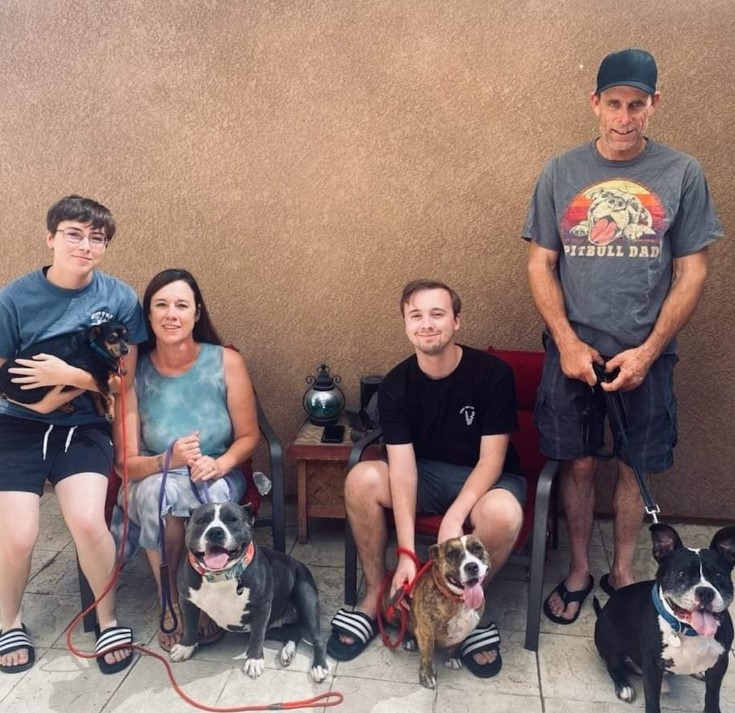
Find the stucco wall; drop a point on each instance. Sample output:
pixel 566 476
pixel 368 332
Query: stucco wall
pixel 305 159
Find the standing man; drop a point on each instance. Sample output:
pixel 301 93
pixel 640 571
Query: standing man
pixel 70 446
pixel 447 414
pixel 618 231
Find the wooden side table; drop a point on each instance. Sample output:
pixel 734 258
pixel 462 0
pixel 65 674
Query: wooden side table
pixel 321 469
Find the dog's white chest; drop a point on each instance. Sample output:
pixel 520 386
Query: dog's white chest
pixel 688 654
pixel 461 624
pixel 222 602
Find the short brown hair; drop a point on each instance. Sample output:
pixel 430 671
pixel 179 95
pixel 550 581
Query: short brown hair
pixel 420 285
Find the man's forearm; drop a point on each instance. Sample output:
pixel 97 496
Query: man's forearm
pixel 549 299
pixel 690 274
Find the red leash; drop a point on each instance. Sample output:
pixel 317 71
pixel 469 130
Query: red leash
pixel 323 700
pixel 403 592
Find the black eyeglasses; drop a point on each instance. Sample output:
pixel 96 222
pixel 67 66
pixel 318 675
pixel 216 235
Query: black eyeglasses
pixel 75 237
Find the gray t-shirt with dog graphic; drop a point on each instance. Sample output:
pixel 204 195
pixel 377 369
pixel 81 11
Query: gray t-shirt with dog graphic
pixel 617 226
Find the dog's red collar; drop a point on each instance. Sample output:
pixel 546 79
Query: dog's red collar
pixel 442 587
pixel 232 571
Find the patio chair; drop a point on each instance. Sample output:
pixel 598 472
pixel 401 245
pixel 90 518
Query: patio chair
pixel 275 520
pixel 540 472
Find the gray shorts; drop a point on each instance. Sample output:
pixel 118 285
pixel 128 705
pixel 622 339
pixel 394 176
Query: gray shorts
pixel 651 411
pixel 440 483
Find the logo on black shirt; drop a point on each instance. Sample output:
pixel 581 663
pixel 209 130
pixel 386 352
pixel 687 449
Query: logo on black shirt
pixel 469 414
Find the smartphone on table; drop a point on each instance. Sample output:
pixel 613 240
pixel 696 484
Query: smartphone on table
pixel 333 434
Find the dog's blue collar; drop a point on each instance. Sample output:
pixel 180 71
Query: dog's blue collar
pixel 680 627
pixel 101 352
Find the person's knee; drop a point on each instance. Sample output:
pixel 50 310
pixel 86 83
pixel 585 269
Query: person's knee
pixel 88 528
pixel 497 518
pixel 366 483
pixel 580 470
pixel 18 541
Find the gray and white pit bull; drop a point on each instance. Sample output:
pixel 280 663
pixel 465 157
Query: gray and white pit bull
pixel 246 588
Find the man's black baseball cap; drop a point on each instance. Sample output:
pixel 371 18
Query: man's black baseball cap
pixel 628 68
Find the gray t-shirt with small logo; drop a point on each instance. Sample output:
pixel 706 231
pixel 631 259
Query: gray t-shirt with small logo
pixel 617 226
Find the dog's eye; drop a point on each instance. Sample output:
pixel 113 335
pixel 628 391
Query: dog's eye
pixel 681 574
pixel 230 518
pixel 476 548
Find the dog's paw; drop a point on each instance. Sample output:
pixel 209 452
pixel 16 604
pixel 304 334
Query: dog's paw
pixel 254 667
pixel 288 653
pixel 179 652
pixel 453 662
pixel 427 679
pixel 409 644
pixel 319 673
pixel 625 693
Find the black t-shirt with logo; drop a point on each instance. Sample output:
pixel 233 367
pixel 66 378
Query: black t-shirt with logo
pixel 445 418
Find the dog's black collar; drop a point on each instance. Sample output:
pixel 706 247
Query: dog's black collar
pixel 680 627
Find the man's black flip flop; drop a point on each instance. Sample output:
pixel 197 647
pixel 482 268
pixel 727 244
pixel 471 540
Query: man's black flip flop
pixel 568 598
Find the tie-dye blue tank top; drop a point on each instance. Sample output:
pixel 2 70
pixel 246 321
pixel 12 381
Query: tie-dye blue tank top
pixel 174 406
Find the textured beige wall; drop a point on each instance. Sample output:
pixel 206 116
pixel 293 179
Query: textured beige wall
pixel 305 159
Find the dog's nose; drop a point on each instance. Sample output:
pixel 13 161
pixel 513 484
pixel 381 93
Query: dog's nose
pixel 472 568
pixel 215 533
pixel 704 595
pixel 124 349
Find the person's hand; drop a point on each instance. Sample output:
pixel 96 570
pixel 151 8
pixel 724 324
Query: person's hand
pixel 186 450
pixel 53 400
pixel 451 526
pixel 41 370
pixel 633 364
pixel 405 574
pixel 205 468
pixel 576 361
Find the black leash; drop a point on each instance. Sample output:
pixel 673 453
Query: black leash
pixel 619 416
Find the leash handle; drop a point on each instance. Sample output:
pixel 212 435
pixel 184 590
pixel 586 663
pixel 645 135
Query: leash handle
pixel 167 605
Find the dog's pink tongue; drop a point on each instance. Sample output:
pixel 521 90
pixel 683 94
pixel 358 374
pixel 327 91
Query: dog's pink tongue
pixel 704 623
pixel 218 561
pixel 473 596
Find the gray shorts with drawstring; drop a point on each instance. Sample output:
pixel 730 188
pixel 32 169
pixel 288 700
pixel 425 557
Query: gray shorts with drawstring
pixel 33 452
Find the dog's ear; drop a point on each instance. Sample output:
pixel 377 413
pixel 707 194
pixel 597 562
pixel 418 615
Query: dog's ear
pixel 434 552
pixel 247 509
pixel 665 540
pixel 724 543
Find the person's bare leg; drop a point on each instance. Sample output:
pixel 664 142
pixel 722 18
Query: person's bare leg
pixel 578 500
pixel 367 495
pixel 82 501
pixel 497 519
pixel 19 515
pixel 628 511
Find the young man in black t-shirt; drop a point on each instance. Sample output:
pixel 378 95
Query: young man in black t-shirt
pixel 447 414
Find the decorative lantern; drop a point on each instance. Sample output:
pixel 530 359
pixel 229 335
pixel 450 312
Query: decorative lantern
pixel 324 400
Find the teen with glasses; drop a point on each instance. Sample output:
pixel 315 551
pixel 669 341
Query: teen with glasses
pixel 61 438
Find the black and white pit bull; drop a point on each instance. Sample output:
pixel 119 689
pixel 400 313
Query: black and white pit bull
pixel 246 588
pixel 678 623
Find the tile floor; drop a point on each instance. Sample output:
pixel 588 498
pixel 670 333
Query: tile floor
pixel 564 676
